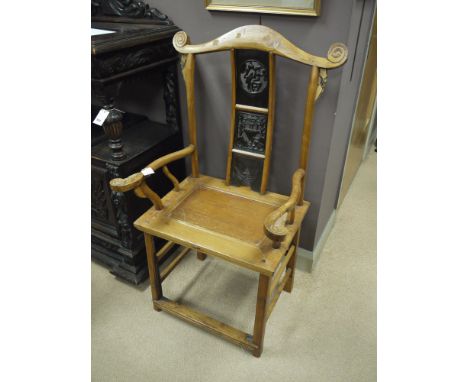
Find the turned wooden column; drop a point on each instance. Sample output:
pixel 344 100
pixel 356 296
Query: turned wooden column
pixel 113 128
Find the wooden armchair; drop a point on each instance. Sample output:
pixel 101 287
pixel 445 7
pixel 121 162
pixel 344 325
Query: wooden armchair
pixel 234 219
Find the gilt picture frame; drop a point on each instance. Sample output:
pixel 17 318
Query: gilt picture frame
pixel 282 7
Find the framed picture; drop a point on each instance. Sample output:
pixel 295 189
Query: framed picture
pixel 285 7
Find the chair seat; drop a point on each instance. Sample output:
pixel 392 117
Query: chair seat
pixel 222 221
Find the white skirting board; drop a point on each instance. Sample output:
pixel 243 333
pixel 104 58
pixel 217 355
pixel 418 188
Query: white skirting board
pixel 306 258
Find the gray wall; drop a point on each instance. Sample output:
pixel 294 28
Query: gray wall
pixel 359 33
pixel 314 35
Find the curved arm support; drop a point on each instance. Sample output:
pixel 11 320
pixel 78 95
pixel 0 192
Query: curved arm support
pixel 272 225
pixel 172 178
pixel 137 182
pixel 144 191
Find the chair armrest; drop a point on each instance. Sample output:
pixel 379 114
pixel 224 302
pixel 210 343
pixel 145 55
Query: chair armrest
pixel 130 183
pixel 272 225
pixel 161 162
pixel 137 182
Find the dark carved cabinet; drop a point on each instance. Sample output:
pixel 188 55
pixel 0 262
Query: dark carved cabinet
pixel 135 41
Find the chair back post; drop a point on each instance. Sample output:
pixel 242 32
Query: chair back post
pixel 270 123
pixel 307 128
pixel 188 72
pixel 233 114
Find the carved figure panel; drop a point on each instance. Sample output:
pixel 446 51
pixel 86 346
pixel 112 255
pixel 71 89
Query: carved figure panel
pixel 250 131
pixel 246 171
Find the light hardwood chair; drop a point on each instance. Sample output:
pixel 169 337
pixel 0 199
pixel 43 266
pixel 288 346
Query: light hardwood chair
pixel 234 219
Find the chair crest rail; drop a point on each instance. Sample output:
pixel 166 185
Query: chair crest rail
pixel 262 38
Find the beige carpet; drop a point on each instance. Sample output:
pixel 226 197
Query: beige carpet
pixel 325 331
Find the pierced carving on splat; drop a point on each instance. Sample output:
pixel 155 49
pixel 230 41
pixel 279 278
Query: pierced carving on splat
pixel 250 131
pixel 253 76
pixel 246 171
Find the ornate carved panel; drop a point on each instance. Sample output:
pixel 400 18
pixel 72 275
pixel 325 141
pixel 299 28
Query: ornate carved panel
pixel 250 131
pixel 119 201
pixel 113 63
pixel 123 223
pixel 252 70
pixel 128 8
pixel 101 204
pixel 246 171
pixel 171 97
pixel 98 198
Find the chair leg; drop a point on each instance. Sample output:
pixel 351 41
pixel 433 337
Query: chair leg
pixel 153 269
pixel 292 265
pixel 260 314
pixel 201 256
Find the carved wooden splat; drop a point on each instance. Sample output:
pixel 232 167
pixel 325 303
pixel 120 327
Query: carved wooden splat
pixel 251 92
